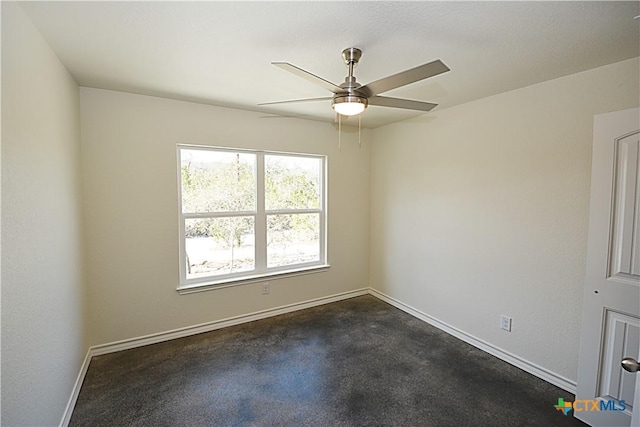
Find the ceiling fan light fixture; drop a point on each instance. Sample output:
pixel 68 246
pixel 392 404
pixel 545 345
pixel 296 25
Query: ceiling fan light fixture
pixel 349 105
pixel 351 98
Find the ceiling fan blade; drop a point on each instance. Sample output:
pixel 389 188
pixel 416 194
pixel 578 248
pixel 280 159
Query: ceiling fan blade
pixel 405 77
pixel 309 76
pixel 407 104
pixel 328 98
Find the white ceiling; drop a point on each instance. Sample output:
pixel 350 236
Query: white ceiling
pixel 220 52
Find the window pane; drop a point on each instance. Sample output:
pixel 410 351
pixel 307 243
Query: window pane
pixel 292 239
pixel 292 182
pixel 217 246
pixel 217 181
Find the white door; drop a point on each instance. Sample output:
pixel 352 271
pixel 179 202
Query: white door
pixel 611 314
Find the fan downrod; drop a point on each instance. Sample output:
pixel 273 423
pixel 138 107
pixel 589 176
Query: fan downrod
pixel 351 57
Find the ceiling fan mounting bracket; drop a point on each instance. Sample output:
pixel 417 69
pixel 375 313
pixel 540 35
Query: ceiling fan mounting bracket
pixel 351 55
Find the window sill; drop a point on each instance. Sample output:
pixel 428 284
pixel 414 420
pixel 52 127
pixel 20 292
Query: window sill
pixel 245 280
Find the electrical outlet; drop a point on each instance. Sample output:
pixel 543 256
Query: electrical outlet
pixel 505 323
pixel 265 288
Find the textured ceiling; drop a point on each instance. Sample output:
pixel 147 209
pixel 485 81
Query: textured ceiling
pixel 220 52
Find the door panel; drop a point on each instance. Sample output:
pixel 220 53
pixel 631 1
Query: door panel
pixel 625 258
pixel 611 313
pixel 620 340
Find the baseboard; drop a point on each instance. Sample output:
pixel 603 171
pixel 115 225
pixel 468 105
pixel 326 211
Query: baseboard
pixel 113 347
pixel 525 365
pixel 219 324
pixel 71 404
pixel 517 361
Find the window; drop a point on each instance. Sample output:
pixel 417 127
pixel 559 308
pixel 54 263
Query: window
pixel 246 215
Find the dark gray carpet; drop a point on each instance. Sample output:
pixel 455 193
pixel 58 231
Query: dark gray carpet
pixel 358 362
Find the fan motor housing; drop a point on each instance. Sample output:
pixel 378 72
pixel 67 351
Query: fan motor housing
pixel 337 99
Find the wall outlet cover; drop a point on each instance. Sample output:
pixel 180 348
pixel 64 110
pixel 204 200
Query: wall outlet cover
pixel 505 323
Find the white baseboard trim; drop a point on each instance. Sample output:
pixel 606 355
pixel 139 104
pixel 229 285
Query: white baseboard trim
pixel 517 361
pixel 219 324
pixel 127 344
pixel 98 350
pixel 71 404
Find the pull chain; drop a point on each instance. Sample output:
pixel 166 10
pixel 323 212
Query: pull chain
pixel 339 118
pixel 339 132
pixel 359 130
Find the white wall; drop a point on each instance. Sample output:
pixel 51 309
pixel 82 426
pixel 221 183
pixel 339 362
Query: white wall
pixel 131 215
pixel 42 308
pixel 482 209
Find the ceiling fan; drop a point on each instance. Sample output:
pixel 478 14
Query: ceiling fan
pixel 351 98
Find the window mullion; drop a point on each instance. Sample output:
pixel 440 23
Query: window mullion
pixel 293 211
pixel 223 214
pixel 261 217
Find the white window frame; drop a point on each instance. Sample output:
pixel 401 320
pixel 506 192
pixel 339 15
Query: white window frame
pixel 261 271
